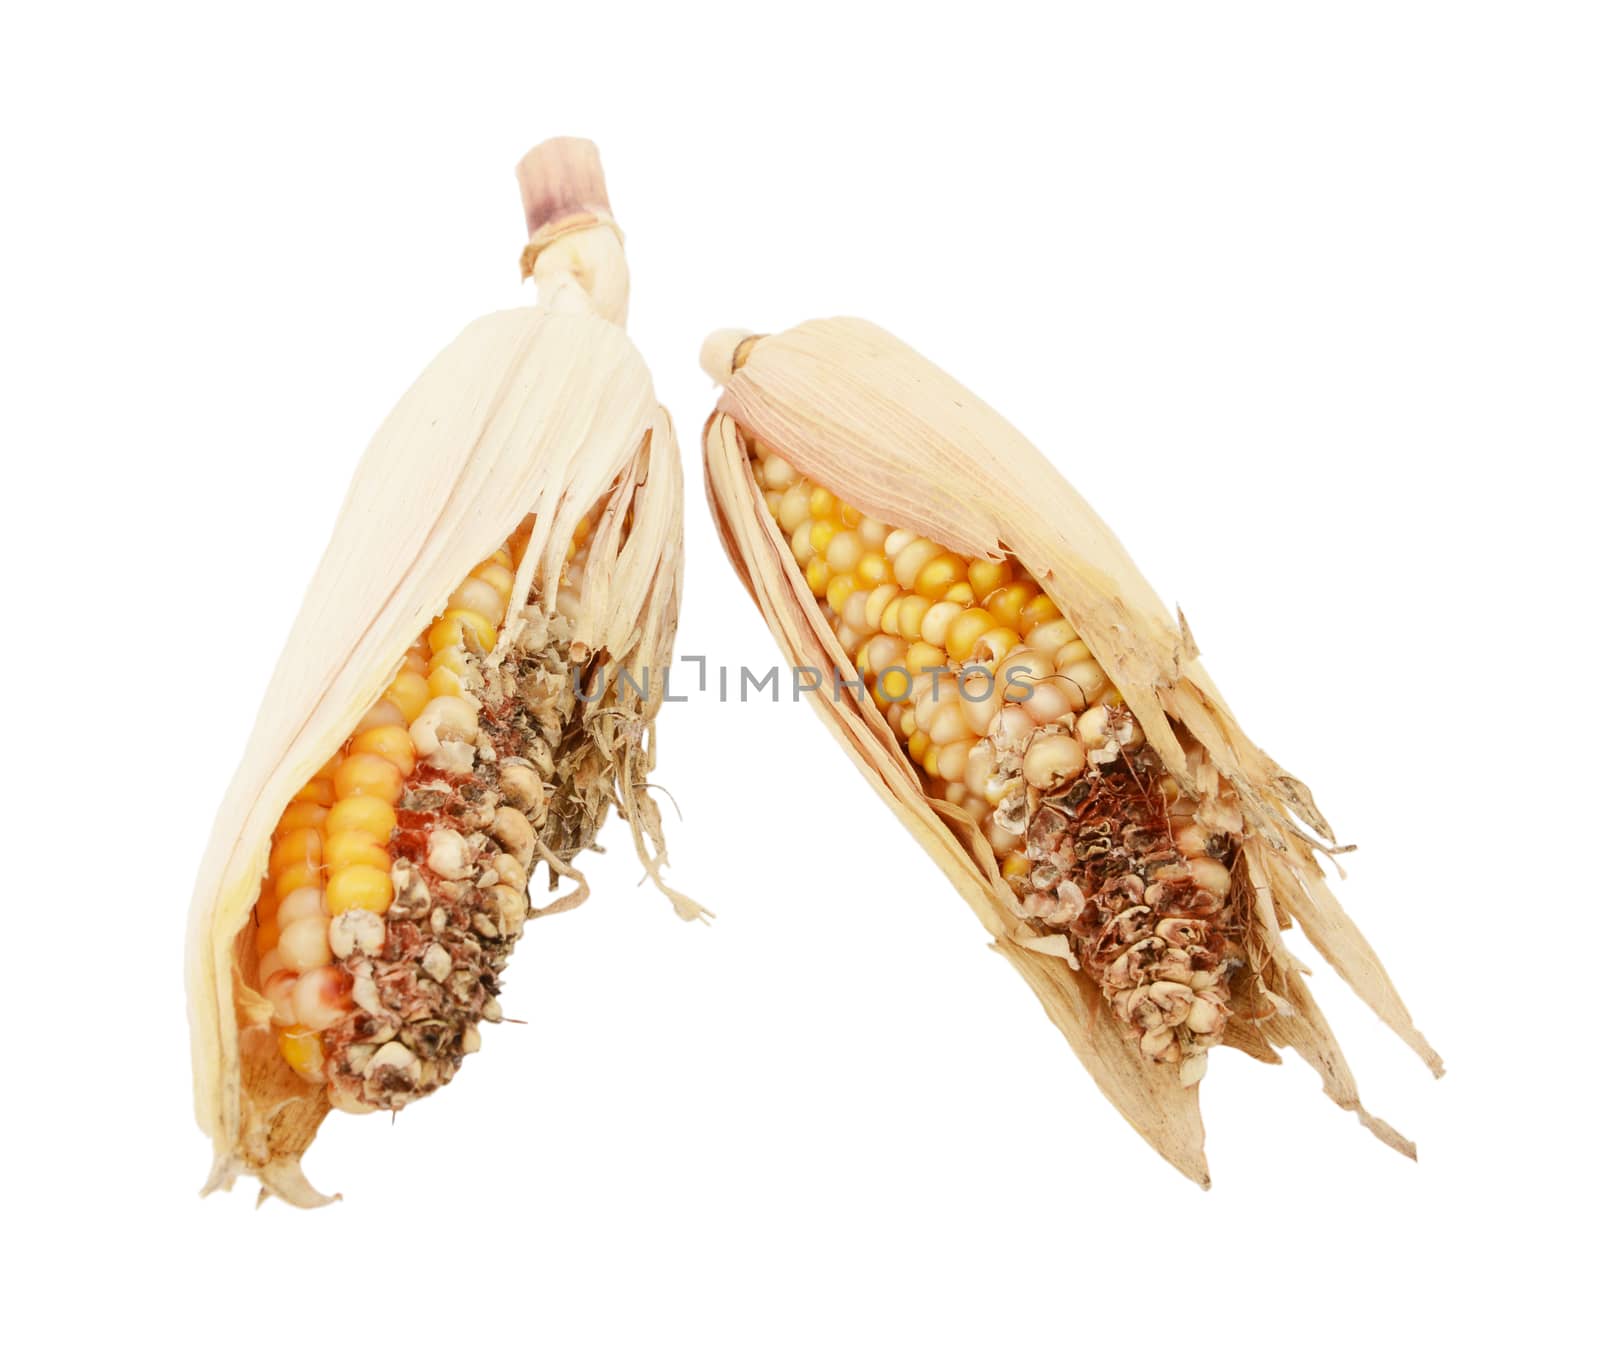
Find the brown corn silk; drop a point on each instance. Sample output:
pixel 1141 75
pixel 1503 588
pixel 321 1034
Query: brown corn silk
pixel 859 413
pixel 529 421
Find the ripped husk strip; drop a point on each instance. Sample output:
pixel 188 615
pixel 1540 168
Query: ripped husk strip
pixel 1143 968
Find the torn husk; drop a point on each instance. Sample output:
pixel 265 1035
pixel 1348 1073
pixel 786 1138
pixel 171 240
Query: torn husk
pixel 846 407
pixel 535 429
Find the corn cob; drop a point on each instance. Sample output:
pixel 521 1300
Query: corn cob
pixel 446 714
pixel 1020 696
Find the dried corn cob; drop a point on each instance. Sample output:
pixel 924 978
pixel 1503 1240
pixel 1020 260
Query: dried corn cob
pixel 1020 696
pixel 447 713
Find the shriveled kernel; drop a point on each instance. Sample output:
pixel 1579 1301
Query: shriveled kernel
pixel 446 718
pixel 1052 758
pixel 452 658
pixel 360 887
pixel 1210 876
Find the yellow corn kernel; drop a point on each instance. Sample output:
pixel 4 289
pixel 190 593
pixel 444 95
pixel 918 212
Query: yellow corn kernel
pixel 918 745
pixel 940 573
pixel 930 759
pixel 873 568
pixel 920 657
pixel 963 634
pixel 267 938
pixel 370 815
pixel 1007 602
pixel 960 594
pixel 913 608
pixel 840 588
pixel 795 508
pixel 444 683
pixel 894 685
pixel 393 743
pixel 822 503
pixel 361 887
pixel 1039 610
pixel 302 846
pixel 986 576
pixel 844 550
pixel 302 1050
pixel 497 576
pixel 817 576
pixel 849 516
pixel 909 561
pixel 299 814
pixel 293 878
pixel 822 532
pixel 996 644
pixel 319 790
pixel 1050 637
pixel 773 499
pixel 409 693
pixel 354 847
pixel 370 774
pixel 458 626
pixel 452 658
pixel 1016 867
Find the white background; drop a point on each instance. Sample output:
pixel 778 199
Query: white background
pixel 1303 298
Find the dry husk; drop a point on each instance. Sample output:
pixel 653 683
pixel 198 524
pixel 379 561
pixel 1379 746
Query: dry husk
pixel 857 411
pixel 544 410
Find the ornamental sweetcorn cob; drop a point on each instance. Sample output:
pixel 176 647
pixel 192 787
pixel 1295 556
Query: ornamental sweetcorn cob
pixel 1020 696
pixel 447 715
